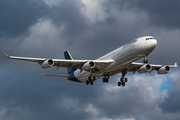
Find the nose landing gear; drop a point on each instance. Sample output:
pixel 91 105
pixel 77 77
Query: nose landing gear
pixel 145 59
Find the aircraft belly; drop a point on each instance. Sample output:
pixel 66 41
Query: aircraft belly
pixel 81 76
pixel 111 70
pixel 114 71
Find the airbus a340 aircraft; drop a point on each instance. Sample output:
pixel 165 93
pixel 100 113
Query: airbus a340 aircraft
pixel 120 60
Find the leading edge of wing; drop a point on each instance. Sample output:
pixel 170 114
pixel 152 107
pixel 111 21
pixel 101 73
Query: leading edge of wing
pixel 55 60
pixel 43 59
pixel 24 58
pixel 82 61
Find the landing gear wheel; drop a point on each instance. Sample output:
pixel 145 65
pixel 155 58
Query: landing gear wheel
pixel 93 78
pixel 91 82
pixel 122 80
pixel 87 82
pixel 126 80
pixel 119 83
pixel 145 61
pixel 107 80
pixel 123 84
pixel 104 80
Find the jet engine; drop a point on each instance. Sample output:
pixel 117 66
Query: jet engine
pixel 47 63
pixel 164 70
pixel 88 66
pixel 145 68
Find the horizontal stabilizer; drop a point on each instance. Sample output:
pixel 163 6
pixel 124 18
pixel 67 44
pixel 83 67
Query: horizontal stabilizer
pixel 55 75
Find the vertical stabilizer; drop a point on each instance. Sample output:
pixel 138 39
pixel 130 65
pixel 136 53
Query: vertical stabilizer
pixel 68 56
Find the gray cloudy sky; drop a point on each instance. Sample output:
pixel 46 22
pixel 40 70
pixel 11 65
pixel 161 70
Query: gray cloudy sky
pixel 88 29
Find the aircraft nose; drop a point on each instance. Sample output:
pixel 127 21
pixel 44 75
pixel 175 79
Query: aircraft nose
pixel 151 44
pixel 148 46
pixel 154 43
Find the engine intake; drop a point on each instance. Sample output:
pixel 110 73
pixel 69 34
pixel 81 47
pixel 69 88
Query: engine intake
pixel 88 66
pixel 47 63
pixel 164 70
pixel 145 68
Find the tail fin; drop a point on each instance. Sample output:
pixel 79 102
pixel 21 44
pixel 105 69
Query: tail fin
pixel 68 56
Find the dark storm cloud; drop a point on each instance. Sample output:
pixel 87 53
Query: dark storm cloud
pixel 161 13
pixel 161 22
pixel 17 16
pixel 79 31
pixel 53 28
pixel 71 18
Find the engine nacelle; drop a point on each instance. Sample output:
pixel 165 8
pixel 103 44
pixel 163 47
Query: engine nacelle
pixel 47 63
pixel 145 68
pixel 164 70
pixel 88 66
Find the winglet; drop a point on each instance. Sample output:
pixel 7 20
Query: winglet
pixel 175 64
pixel 6 55
pixel 42 74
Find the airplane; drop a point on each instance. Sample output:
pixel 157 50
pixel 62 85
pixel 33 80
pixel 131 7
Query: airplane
pixel 120 60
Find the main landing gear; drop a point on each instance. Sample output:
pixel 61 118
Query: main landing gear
pixel 90 80
pixel 105 79
pixel 145 59
pixel 123 80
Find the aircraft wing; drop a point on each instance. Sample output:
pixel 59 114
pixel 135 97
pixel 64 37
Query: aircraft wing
pixel 25 58
pixel 134 66
pixel 75 64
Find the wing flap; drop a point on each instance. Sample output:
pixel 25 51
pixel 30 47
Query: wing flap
pixel 77 64
pixel 55 75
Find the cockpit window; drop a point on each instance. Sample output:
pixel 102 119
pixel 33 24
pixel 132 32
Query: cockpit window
pixel 149 38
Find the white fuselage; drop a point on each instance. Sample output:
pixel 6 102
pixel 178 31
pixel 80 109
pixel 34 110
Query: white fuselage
pixel 122 57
